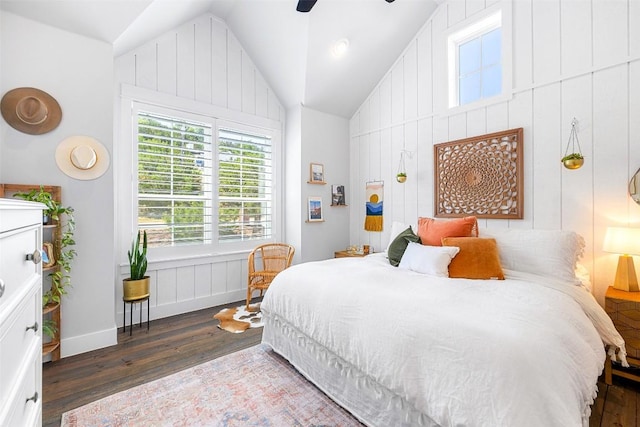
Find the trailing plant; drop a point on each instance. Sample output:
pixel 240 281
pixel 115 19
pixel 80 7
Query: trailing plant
pixel 138 258
pixel 63 242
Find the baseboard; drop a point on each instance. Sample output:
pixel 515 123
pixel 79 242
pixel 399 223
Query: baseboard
pixel 88 342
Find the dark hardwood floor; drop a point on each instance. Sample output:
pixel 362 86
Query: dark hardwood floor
pixel 179 342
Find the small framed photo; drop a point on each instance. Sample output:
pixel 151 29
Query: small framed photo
pixel 316 173
pixel 315 209
pixel 47 255
pixel 337 195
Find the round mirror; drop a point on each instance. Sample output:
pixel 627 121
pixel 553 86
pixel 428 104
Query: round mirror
pixel 634 187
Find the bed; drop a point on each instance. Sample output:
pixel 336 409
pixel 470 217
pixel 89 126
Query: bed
pixel 398 347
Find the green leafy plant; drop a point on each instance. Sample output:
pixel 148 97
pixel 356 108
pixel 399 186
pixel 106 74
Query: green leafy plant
pixel 572 156
pixel 49 328
pixel 63 242
pixel 402 174
pixel 138 258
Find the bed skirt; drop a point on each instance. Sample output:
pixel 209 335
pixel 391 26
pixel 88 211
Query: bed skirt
pixel 371 403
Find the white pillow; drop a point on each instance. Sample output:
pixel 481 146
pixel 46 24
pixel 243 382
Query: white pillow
pixel 433 260
pixel 549 253
pixel 397 228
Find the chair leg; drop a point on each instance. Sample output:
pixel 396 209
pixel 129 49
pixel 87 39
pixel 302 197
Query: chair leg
pixel 248 298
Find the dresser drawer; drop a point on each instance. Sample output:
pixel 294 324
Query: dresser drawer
pixel 15 270
pixel 25 407
pixel 18 335
pixel 12 219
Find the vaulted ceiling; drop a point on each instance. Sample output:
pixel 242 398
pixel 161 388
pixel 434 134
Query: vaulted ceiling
pixel 291 49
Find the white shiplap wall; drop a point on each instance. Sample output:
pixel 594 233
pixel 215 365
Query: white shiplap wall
pixel 199 63
pixel 576 58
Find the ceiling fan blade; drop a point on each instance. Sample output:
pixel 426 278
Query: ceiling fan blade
pixel 305 5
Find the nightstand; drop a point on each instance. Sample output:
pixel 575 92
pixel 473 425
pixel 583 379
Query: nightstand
pixel 624 309
pixel 347 254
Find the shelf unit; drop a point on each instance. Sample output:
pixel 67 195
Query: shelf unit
pixel 51 233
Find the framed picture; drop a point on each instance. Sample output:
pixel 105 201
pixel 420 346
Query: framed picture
pixel 337 195
pixel 316 173
pixel 315 209
pixel 47 255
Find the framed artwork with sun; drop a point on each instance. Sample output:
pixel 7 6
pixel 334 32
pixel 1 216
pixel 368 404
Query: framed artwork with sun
pixel 374 202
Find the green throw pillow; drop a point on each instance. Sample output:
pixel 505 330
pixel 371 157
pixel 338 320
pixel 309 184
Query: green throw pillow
pixel 399 245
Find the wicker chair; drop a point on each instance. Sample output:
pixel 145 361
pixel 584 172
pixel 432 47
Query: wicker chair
pixel 265 262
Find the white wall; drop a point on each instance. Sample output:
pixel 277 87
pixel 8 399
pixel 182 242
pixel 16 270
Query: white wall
pixel 570 59
pixel 78 72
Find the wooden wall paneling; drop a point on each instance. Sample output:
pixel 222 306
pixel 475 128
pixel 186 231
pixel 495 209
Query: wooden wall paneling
pixel 455 12
pixel 354 126
pixel 424 160
pixel 203 63
pixel 425 75
pixel 375 169
pixel 397 92
pixel 234 76
pixel 520 115
pixel 374 110
pixel 218 278
pixel 575 37
pixel 241 280
pixel 610 32
pixel 634 29
pixel 491 2
pixel 235 279
pixel 546 33
pixel 610 167
pixel 166 49
pixel 125 69
pixel 457 127
pixel 385 102
pixel 203 282
pixel 498 117
pixel 522 44
pixel 186 61
pixel 262 96
pixel 634 133
pixel 547 154
pixel 366 175
pixel 248 84
pixel 218 63
pixel 411 185
pixel 577 185
pixel 387 173
pixel 439 60
pixel 365 117
pixel 473 7
pixel 411 81
pixel 167 286
pixel 356 178
pixel 276 111
pixel 476 122
pixel 186 283
pixel 396 191
pixel 146 70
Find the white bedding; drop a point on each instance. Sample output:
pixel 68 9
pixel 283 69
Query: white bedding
pixel 462 352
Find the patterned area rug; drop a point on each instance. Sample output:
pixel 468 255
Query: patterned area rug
pixel 239 319
pixel 252 387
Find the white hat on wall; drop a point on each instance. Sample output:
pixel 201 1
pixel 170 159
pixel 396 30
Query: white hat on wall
pixel 82 157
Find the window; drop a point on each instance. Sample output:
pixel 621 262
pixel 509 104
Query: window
pixel 174 180
pixel 194 191
pixel 476 61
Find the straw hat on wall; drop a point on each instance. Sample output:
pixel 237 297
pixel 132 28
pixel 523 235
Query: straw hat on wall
pixel 82 157
pixel 30 110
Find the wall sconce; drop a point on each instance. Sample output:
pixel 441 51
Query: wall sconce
pixel 401 176
pixel 624 241
pixel 573 159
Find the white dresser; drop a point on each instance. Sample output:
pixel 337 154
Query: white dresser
pixel 20 313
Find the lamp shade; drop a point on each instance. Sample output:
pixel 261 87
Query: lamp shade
pixel 622 240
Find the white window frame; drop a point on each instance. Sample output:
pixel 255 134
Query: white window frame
pixel 125 170
pixel 498 16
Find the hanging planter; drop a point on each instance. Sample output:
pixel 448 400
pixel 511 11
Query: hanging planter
pixel 401 176
pixel 573 159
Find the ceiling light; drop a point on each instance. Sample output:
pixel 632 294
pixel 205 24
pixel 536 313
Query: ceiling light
pixel 340 48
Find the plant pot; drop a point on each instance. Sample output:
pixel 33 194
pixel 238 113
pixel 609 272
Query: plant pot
pixel 135 289
pixel 401 178
pixel 573 163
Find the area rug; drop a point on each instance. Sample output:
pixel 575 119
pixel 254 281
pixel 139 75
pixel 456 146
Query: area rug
pixel 252 387
pixel 238 319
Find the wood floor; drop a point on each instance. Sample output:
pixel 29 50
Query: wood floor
pixel 179 342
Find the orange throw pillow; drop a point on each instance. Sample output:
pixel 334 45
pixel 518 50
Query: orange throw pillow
pixel 478 258
pixel 432 231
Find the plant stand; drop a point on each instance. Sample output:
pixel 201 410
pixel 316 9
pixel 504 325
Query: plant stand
pixel 124 313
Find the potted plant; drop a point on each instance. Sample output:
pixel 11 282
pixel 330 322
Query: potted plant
pixel 136 286
pixel 40 196
pixel 573 161
pixel 401 177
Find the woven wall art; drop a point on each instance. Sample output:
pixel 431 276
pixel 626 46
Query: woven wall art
pixel 480 176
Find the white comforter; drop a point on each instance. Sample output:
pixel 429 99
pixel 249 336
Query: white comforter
pixel 464 352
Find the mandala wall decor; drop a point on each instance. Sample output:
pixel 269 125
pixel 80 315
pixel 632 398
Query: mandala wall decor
pixel 480 176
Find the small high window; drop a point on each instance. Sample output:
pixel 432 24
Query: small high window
pixel 476 61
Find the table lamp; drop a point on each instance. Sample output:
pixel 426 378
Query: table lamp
pixel 624 241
